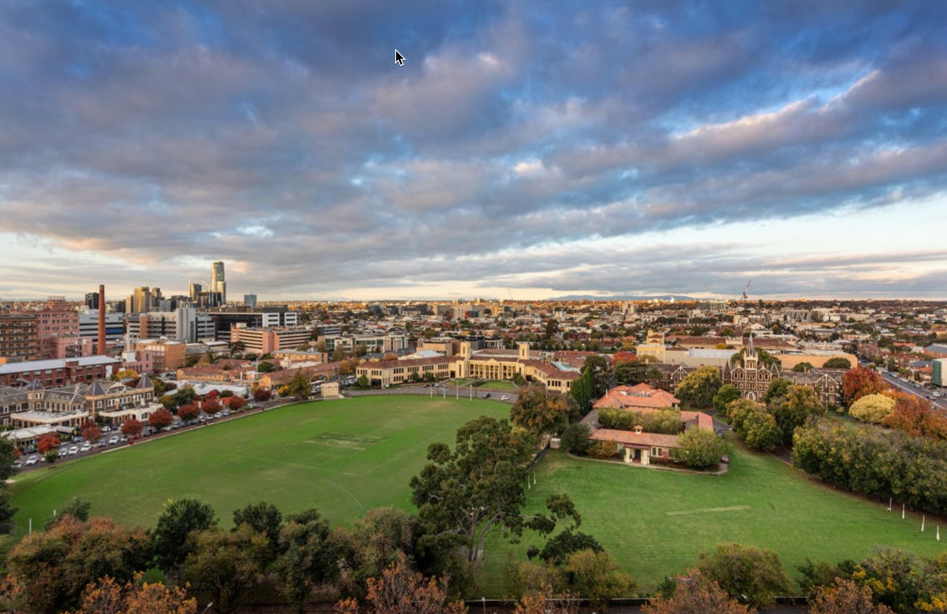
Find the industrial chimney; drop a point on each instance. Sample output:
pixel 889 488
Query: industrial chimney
pixel 101 319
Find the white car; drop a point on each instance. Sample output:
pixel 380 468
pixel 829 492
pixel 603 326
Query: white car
pixel 113 440
pixel 505 397
pixel 73 450
pixel 32 460
pixel 85 447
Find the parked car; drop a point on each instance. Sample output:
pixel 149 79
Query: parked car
pixel 32 460
pixel 113 440
pixel 17 464
pixel 505 397
pixel 225 413
pixel 85 447
pixel 73 450
pixel 486 395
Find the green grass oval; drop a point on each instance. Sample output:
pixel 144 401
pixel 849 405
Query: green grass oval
pixel 342 456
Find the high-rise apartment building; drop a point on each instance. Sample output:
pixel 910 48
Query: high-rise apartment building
pixel 249 300
pixel 217 281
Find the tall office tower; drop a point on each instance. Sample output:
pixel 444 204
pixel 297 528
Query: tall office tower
pixel 102 345
pixel 92 300
pixel 249 300
pixel 195 292
pixel 140 300
pixel 217 282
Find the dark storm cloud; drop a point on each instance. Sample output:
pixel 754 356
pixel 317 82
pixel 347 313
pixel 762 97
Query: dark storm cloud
pixel 282 136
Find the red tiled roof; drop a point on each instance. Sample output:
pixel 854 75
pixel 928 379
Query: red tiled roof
pixel 631 438
pixel 640 396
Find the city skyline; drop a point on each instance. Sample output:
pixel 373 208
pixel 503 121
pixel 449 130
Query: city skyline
pixel 522 151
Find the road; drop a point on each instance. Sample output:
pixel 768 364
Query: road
pixel 915 389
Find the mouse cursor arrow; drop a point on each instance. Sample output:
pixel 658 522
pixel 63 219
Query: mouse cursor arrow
pixel 399 59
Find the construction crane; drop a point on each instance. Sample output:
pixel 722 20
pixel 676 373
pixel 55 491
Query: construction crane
pixel 745 290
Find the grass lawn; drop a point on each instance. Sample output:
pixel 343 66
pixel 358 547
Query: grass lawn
pixel 656 522
pixel 341 456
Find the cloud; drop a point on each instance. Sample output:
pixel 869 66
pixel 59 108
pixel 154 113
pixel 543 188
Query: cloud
pixel 282 134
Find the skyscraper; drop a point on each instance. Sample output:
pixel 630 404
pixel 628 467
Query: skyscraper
pixel 217 282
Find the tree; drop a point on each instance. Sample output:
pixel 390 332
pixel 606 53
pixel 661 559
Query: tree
pixel 265 367
pixel 132 427
pixel 698 388
pixel 599 372
pixel 107 596
pixel 464 495
pixel 378 539
pixel 210 406
pixel 837 363
pixel 262 395
pixel 91 431
pixel 8 455
pixel 724 397
pixel 860 382
pixel 754 574
pixel 264 518
pixel 575 438
pixel 872 408
pixel 178 520
pixel 544 601
pixel 846 597
pixel 362 381
pixel 559 547
pixel 75 508
pixel 699 449
pixel 791 412
pixel 754 425
pixel 582 391
pixel 49 441
pixel 226 566
pixel 160 418
pixel 7 513
pixel 916 417
pixel 803 367
pixel 188 412
pixel 539 411
pixel 300 386
pixel 778 388
pixel 51 568
pixel 402 591
pixel 597 577
pixel 694 594
pixel 167 401
pixel 235 403
pixel 308 557
pixel 631 373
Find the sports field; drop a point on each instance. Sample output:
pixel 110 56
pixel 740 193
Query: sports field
pixel 656 522
pixel 343 457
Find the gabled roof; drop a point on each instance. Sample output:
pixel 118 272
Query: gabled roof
pixel 35 385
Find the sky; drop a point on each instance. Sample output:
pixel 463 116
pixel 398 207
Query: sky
pixel 526 149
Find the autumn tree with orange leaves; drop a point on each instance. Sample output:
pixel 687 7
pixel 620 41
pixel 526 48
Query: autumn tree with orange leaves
pixel 402 591
pixel 859 382
pixel 109 597
pixel 695 594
